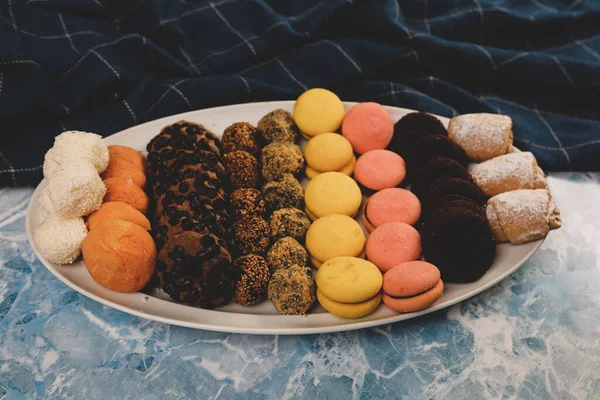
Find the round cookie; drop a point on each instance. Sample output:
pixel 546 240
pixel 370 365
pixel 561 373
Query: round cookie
pixel 246 201
pixel 289 222
pixel 349 279
pixel 349 310
pixel 328 152
pixel 411 127
pixel 252 234
pixel 118 167
pixel 434 146
pixel 410 279
pixel 127 154
pixel 240 136
pixel 117 209
pixel 119 255
pixel 415 303
pixel 457 186
pixel 126 191
pixel 286 252
pixel 434 169
pixel 391 205
pixel 242 168
pixel 460 243
pixel 283 192
pixel 278 126
pixel 59 240
pixel 193 191
pixel 195 268
pixel 281 158
pixel 318 111
pixel 254 280
pixel 379 169
pixel 368 126
pixel 454 201
pixel 292 290
pixel 334 236
pixel 393 243
pixel 332 193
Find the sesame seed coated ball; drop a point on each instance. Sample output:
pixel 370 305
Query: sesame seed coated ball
pixel 254 281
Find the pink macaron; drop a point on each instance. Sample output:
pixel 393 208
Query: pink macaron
pixel 393 243
pixel 415 303
pixel 380 169
pixel 368 126
pixel 391 205
pixel 412 286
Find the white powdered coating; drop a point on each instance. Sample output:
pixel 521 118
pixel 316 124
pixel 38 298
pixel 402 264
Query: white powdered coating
pixel 522 215
pixel 76 190
pixel 482 136
pixel 47 207
pixel 59 240
pixel 75 145
pixel 508 172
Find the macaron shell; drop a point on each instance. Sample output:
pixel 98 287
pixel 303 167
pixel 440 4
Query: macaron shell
pixel 368 126
pixel 410 279
pixel 415 303
pixel 380 169
pixel 317 263
pixel 347 169
pixel 349 279
pixel 363 216
pixel 318 111
pixel 334 236
pixel 391 205
pixel 393 243
pixel 328 152
pixel 332 193
pixel 349 310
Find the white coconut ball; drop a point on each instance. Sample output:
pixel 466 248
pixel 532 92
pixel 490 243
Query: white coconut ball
pixel 59 240
pixel 76 190
pixel 47 207
pixel 75 145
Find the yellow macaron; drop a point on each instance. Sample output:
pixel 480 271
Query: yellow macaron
pixel 332 236
pixel 318 111
pixel 349 310
pixel 328 152
pixel 349 279
pixel 332 193
pixel 347 169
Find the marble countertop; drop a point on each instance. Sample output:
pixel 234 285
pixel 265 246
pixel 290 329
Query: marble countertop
pixel 535 335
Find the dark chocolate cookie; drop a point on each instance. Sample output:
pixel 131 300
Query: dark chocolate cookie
pixel 446 186
pixel 460 243
pixel 195 268
pixel 433 146
pixel 434 169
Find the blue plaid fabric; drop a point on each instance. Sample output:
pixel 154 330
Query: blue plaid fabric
pixel 105 65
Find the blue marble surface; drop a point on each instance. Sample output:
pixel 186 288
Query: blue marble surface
pixel 535 335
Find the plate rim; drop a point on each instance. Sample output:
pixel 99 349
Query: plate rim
pixel 248 330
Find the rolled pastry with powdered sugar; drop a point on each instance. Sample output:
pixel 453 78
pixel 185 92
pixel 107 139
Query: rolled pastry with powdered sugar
pixel 508 172
pixel 522 215
pixel 482 136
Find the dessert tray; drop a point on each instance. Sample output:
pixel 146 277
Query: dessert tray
pixel 262 318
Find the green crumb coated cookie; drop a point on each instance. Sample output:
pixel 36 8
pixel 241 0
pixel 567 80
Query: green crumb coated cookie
pixel 283 192
pixel 292 290
pixel 289 222
pixel 286 252
pixel 278 126
pixel 281 158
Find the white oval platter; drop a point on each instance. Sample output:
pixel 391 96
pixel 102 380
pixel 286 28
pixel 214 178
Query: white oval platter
pixel 261 318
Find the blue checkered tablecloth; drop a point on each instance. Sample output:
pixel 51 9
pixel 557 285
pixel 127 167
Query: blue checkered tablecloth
pixel 105 65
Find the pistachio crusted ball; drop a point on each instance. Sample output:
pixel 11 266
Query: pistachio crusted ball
pixel 285 253
pixel 278 126
pixel 242 168
pixel 252 234
pixel 254 280
pixel 292 290
pixel 289 222
pixel 281 158
pixel 240 136
pixel 283 192
pixel 246 201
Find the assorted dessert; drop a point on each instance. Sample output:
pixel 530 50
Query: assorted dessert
pixel 214 221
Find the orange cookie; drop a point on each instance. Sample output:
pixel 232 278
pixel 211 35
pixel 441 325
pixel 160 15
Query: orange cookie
pixel 119 167
pixel 120 255
pixel 132 156
pixel 117 209
pixel 125 190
